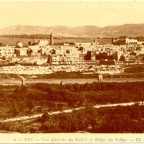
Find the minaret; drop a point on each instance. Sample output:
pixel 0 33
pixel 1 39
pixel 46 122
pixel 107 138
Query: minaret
pixel 51 39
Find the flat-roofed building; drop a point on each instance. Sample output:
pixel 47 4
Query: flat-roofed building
pixel 21 51
pixel 131 41
pixel 7 51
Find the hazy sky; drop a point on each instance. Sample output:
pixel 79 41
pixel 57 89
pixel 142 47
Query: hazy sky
pixel 71 14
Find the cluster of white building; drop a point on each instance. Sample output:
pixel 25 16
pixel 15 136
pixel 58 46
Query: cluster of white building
pixel 7 51
pixel 80 57
pixel 41 52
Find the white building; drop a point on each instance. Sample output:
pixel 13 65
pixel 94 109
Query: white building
pixel 34 49
pixel 43 43
pixel 140 43
pixel 19 44
pixel 21 51
pixel 131 41
pixel 6 51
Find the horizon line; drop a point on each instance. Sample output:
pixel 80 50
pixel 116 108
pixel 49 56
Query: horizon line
pixel 59 25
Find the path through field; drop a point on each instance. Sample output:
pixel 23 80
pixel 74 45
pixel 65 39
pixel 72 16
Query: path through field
pixel 68 111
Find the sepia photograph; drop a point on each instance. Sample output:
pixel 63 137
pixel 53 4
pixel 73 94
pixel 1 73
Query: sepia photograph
pixel 72 67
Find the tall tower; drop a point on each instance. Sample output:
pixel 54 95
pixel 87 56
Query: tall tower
pixel 51 39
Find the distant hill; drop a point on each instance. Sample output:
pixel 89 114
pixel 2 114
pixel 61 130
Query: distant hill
pixel 131 30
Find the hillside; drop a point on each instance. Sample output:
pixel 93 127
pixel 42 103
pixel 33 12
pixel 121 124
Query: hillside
pixel 131 30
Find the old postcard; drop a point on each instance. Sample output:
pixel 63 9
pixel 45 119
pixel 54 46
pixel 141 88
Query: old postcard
pixel 71 71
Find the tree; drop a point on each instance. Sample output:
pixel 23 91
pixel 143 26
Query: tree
pixel 142 96
pixel 15 109
pixel 29 43
pixel 44 117
pixel 30 104
pixel 122 58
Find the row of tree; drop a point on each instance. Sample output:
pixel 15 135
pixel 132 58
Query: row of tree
pixel 45 36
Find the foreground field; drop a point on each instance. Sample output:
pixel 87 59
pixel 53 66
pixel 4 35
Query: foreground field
pixel 120 119
pixel 42 98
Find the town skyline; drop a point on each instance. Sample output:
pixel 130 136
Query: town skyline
pixel 71 14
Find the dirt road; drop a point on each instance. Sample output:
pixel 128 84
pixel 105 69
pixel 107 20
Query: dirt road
pixel 68 111
pixel 70 81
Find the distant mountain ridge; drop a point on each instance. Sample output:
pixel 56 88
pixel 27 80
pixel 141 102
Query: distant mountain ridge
pixel 131 30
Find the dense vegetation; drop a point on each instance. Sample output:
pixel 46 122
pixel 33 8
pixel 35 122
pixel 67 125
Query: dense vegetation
pixel 40 36
pixel 104 120
pixel 63 74
pixel 129 119
pixel 134 69
pixel 39 97
pixel 43 98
